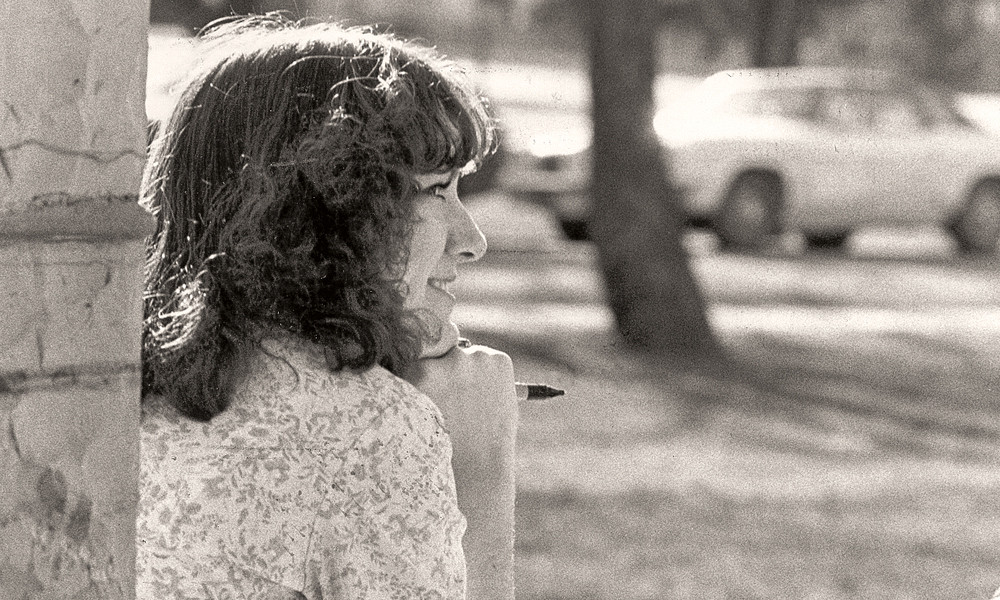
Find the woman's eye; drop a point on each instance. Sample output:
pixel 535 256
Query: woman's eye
pixel 437 190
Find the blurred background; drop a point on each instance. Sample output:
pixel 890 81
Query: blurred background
pixel 771 294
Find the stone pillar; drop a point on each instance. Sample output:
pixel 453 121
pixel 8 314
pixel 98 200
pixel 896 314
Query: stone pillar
pixel 72 139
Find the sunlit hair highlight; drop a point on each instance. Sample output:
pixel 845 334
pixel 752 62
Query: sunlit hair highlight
pixel 282 187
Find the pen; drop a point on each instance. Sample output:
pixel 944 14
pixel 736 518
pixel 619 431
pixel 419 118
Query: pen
pixel 536 391
pixel 525 391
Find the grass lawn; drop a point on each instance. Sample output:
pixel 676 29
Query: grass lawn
pixel 841 456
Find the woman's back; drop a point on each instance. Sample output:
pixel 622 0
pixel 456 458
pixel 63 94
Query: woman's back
pixel 268 496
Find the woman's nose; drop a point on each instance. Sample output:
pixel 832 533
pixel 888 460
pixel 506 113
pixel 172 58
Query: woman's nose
pixel 465 239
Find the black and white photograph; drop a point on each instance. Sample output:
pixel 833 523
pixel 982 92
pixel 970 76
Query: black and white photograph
pixel 500 299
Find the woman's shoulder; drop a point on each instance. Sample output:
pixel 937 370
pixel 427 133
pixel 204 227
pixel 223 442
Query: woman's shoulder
pixel 312 442
pixel 289 397
pixel 297 370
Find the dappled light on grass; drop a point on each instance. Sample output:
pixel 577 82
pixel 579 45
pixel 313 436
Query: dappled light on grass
pixel 701 544
pixel 831 481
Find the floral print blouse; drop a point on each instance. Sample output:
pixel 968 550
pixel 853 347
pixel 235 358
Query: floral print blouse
pixel 312 484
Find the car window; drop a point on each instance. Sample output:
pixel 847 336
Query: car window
pixel 846 109
pixel 896 113
pixel 885 111
pixel 797 103
pixel 942 106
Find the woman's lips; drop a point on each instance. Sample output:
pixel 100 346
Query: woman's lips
pixel 439 299
pixel 438 304
pixel 442 285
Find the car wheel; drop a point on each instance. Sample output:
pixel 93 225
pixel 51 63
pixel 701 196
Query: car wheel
pixel 748 214
pixel 575 229
pixel 827 241
pixel 977 227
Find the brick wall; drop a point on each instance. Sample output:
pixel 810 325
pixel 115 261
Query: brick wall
pixel 71 149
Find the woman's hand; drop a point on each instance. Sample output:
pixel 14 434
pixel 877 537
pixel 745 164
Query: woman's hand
pixel 474 389
pixel 448 338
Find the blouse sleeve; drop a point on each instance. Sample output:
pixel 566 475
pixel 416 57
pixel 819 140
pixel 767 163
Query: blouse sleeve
pixel 390 525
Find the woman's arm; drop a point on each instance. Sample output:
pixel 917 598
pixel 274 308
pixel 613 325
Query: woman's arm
pixel 474 389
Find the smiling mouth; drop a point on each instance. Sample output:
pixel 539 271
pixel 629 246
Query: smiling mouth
pixel 441 284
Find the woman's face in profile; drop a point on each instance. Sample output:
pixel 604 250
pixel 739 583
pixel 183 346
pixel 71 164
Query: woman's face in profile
pixel 444 236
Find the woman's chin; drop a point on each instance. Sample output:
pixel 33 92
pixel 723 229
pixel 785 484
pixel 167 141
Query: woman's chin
pixel 443 344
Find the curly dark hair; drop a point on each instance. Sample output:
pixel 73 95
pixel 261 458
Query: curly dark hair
pixel 282 187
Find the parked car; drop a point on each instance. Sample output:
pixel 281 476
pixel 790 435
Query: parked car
pixel 824 151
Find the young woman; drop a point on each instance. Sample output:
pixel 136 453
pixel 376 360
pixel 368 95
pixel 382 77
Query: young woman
pixel 303 392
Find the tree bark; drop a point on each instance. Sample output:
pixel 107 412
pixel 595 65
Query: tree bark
pixel 637 221
pixel 941 51
pixel 774 41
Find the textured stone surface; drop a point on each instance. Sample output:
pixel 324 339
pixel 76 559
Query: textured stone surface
pixel 94 218
pixel 69 306
pixel 68 495
pixel 72 118
pixel 72 138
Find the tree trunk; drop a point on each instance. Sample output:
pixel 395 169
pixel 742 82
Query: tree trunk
pixel 774 39
pixel 945 46
pixel 637 219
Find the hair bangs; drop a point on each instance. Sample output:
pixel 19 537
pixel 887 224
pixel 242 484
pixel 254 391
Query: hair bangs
pixel 443 123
